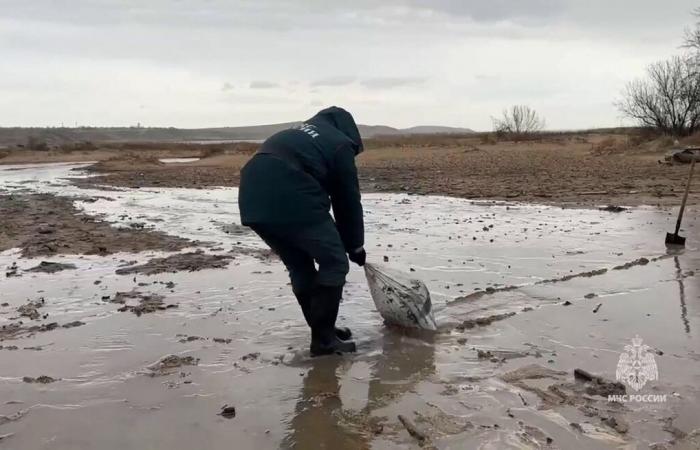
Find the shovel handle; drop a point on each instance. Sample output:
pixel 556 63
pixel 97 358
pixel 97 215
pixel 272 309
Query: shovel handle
pixel 685 195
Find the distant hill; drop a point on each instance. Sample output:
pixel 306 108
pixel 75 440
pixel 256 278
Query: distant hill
pixel 426 129
pixel 53 136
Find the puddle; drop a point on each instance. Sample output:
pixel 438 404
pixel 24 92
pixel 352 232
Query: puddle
pixel 178 160
pixel 449 386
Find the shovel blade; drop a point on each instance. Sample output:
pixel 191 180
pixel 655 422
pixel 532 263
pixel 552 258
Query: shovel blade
pixel 674 239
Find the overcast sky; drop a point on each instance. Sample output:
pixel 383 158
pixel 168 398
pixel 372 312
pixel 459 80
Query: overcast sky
pixel 202 63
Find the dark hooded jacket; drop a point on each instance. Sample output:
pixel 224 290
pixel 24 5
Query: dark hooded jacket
pixel 300 173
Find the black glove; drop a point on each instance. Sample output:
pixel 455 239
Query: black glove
pixel 358 256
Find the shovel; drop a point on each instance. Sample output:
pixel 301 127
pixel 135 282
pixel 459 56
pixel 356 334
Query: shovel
pixel 673 238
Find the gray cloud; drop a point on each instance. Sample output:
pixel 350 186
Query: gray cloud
pixel 460 60
pixel 391 82
pixel 261 84
pixel 497 10
pixel 341 80
pixel 486 77
pixel 281 15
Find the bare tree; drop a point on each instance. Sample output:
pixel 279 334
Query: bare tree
pixel 692 35
pixel 668 99
pixel 518 120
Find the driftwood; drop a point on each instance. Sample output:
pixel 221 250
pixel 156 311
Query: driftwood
pixel 418 435
pixel 411 428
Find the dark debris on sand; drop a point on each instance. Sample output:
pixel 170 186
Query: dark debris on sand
pixel 147 303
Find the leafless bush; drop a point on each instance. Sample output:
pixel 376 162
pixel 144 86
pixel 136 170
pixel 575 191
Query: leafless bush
pixel 666 142
pixel 518 121
pixel 668 99
pixel 636 140
pixel 608 146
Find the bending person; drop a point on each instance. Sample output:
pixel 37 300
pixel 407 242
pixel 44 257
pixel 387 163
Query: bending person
pixel 286 192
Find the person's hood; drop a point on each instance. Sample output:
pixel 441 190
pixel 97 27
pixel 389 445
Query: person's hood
pixel 341 120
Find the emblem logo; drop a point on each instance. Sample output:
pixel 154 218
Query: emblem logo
pixel 636 365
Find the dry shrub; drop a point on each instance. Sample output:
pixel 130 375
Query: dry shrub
pixel 488 139
pixel 636 140
pixel 608 146
pixel 693 140
pixel 4 154
pixel 84 146
pixel 418 141
pixel 471 148
pixel 246 148
pixel 37 144
pixel 210 152
pixel 665 142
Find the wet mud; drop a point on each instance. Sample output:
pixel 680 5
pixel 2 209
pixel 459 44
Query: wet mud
pixel 51 267
pixel 509 367
pixel 588 393
pixel 45 225
pixel 170 364
pixel 30 310
pixel 628 265
pixel 42 379
pixel 188 262
pixel 140 303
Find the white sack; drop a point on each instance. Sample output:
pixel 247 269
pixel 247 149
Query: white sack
pixel 400 299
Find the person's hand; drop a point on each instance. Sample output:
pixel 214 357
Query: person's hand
pixel 358 256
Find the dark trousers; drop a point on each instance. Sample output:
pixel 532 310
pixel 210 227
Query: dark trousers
pixel 300 247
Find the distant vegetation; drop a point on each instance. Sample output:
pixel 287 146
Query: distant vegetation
pixel 34 143
pixel 668 98
pixel 518 121
pixel 45 138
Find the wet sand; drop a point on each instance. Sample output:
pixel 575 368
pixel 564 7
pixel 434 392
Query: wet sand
pixel 563 289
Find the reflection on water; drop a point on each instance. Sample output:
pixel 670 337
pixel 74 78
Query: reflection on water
pixel 315 423
pixel 681 294
pixel 321 420
pixel 407 358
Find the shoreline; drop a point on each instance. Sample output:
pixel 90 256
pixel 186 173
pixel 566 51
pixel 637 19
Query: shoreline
pixel 567 170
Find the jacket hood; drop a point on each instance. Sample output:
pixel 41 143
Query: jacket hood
pixel 341 120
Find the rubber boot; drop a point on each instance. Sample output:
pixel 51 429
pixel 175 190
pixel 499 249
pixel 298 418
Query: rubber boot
pixel 304 299
pixel 323 311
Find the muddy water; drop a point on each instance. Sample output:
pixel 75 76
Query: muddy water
pixel 245 329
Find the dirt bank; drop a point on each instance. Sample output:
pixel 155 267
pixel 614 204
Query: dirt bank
pixel 42 225
pixel 568 170
pixel 78 152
